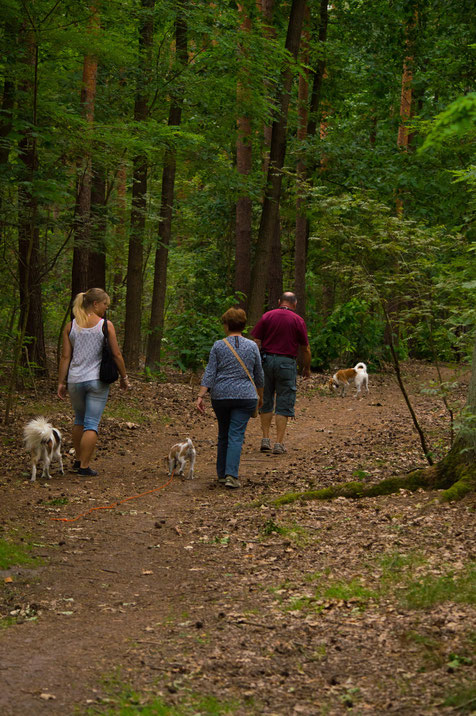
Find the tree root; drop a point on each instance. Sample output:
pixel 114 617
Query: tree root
pixel 455 475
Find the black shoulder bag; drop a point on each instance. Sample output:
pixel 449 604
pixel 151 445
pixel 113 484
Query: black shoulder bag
pixel 108 372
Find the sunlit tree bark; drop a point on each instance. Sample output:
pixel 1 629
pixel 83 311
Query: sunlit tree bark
pixel 30 272
pixel 132 328
pixel 167 204
pixel 81 246
pixel 272 197
pixel 243 165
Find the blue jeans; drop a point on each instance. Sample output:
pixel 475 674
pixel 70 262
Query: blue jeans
pixel 88 400
pixel 232 416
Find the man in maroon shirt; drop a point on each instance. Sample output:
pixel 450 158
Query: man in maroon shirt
pixel 280 334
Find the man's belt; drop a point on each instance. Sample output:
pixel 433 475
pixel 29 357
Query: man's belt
pixel 281 355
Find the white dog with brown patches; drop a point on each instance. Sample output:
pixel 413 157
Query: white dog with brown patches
pixel 343 378
pixel 44 443
pixel 178 456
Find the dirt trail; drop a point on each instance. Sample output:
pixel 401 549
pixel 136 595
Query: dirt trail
pixel 198 590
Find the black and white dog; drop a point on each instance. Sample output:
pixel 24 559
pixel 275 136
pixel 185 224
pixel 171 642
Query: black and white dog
pixel 44 443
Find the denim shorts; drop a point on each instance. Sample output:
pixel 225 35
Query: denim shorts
pixel 88 400
pixel 279 385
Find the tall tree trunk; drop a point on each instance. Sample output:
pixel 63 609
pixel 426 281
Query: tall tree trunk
pixel 166 205
pixel 272 197
pixel 328 290
pixel 81 246
pixel 97 252
pixel 120 233
pixel 267 11
pixel 301 233
pixel 132 328
pixel 8 100
pixel 405 102
pixel 31 312
pixel 243 166
pixel 274 282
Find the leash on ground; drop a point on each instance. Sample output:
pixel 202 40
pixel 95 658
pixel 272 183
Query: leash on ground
pixel 114 504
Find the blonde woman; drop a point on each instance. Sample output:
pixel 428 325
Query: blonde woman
pixel 78 373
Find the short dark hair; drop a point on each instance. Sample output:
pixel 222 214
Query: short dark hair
pixel 289 297
pixel 235 319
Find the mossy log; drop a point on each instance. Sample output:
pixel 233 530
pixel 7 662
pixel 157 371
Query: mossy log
pixel 455 475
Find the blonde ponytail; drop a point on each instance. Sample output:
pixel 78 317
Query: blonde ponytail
pixel 84 301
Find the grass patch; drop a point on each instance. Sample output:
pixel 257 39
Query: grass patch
pixel 330 592
pixel 12 553
pixel 298 534
pixel 431 650
pixel 127 702
pixel 57 501
pixel 430 589
pixel 42 407
pixel 403 574
pixel 462 699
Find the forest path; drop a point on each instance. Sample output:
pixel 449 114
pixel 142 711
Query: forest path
pixel 196 590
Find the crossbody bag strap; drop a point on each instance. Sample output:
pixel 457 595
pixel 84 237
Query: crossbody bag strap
pixel 105 331
pixel 241 362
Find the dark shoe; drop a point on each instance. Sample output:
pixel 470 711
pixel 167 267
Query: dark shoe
pixel 87 471
pixel 222 480
pixel 76 466
pixel 232 482
pixel 265 445
pixel 279 449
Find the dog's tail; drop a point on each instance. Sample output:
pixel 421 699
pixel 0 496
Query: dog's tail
pixel 360 366
pixel 37 431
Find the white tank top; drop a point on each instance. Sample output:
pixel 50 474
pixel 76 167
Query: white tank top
pixel 87 352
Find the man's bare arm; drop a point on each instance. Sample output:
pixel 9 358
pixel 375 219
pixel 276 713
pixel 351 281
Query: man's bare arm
pixel 306 361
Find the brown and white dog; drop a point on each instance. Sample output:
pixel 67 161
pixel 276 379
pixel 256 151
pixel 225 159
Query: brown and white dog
pixel 179 454
pixel 44 443
pixel 357 374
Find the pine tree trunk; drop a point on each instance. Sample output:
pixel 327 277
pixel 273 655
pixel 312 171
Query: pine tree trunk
pixel 132 328
pixel 267 11
pixel 97 252
pixel 120 233
pixel 405 102
pixel 166 207
pixel 243 166
pixel 301 230
pixel 81 246
pixel 274 284
pixel 31 312
pixel 272 197
pixel 328 290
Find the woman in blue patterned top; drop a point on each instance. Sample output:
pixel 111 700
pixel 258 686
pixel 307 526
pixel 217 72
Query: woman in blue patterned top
pixel 232 392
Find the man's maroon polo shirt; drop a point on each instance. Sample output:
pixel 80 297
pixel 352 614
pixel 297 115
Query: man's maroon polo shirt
pixel 281 331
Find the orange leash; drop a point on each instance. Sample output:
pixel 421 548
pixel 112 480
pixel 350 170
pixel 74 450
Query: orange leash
pixel 114 504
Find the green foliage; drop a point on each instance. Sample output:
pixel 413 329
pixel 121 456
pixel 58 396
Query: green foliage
pixel 349 334
pixel 188 342
pixel 360 254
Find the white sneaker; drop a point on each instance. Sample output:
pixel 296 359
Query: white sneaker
pixel 279 449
